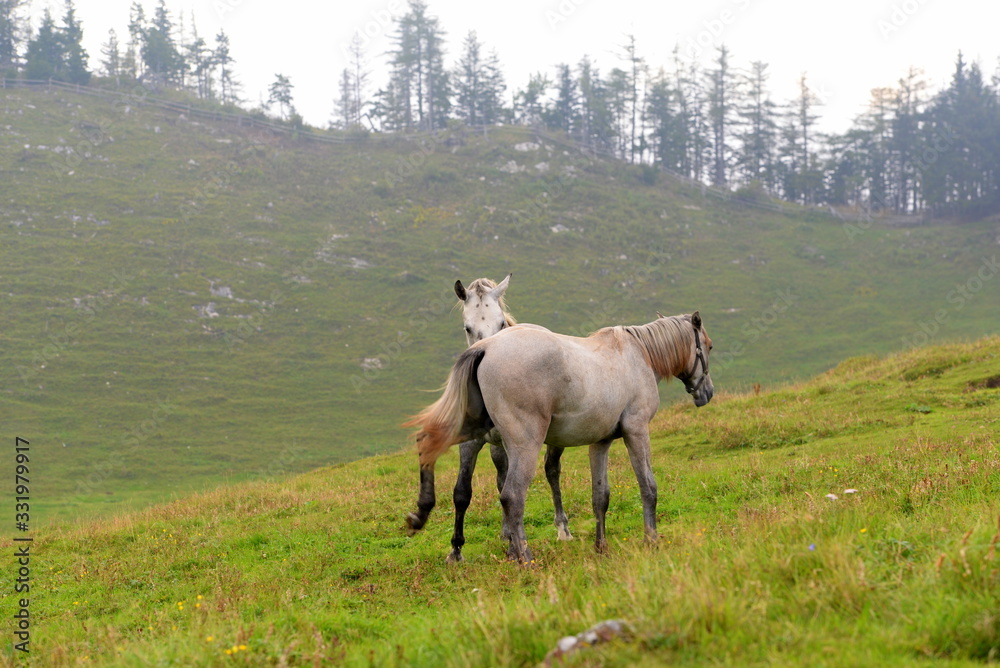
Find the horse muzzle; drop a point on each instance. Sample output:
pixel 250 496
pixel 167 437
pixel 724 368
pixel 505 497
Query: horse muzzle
pixel 702 393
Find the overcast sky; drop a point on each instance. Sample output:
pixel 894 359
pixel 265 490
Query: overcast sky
pixel 845 48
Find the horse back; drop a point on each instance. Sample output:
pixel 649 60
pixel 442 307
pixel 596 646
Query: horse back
pixel 579 388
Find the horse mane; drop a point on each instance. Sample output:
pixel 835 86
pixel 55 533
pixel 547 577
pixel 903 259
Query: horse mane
pixel 665 342
pixel 481 286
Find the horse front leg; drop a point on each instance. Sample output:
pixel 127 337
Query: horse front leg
pixel 600 493
pixel 553 469
pixel 462 497
pixel 637 442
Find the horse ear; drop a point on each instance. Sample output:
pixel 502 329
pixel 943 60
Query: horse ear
pixel 460 290
pixel 501 286
pixel 696 320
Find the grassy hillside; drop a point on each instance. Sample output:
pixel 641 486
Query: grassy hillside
pixel 187 303
pixel 756 565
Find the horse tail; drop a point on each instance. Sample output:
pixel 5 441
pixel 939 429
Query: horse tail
pixel 448 420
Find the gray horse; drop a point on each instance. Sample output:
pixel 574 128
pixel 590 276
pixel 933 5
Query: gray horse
pixel 536 387
pixel 484 313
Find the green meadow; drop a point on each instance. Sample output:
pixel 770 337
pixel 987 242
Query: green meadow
pixel 212 331
pixel 848 520
pixel 189 303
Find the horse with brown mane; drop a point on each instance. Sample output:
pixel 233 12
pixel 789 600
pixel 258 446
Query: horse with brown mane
pixel 535 387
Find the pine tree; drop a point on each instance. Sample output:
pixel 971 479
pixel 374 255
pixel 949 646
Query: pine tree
pixel 904 142
pixel 74 55
pixel 636 69
pixel 564 114
pixel 469 82
pixel 136 32
pixel 159 51
pixel 721 91
pixel 345 101
pixel 694 131
pixel 390 108
pixel 44 58
pixel 493 86
pixel 360 74
pixel 529 105
pixel 595 119
pixel 661 116
pixel 200 60
pixel 111 62
pixel 12 30
pixel 619 93
pixel 811 178
pixel 758 138
pixel 418 78
pixel 223 60
pixel 280 93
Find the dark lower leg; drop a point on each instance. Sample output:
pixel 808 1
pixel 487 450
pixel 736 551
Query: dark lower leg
pixel 600 493
pixel 425 502
pixel 553 469
pixel 462 497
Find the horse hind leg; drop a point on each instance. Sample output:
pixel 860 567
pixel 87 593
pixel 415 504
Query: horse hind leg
pixel 425 502
pixel 600 492
pixel 553 469
pixel 499 456
pixel 462 496
pixel 521 470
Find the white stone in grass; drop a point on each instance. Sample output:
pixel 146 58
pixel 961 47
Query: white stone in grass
pixel 567 644
pixel 832 497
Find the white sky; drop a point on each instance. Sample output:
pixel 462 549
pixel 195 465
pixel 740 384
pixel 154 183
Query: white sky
pixel 845 48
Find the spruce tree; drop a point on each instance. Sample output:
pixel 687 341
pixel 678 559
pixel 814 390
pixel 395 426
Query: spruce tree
pixel 136 38
pixel 44 58
pixel 344 103
pixel 199 59
pixel 469 81
pixel 12 30
pixel 758 116
pixel 111 60
pixel 222 59
pixel 159 51
pixel 419 82
pixel 280 93
pixel 491 97
pixel 721 94
pixel 564 114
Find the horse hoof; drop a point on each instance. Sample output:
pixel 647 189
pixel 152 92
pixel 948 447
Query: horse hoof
pixel 454 558
pixel 564 533
pixel 414 523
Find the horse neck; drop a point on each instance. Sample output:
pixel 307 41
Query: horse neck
pixel 665 344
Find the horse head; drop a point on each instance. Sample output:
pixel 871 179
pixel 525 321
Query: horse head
pixel 695 377
pixel 483 308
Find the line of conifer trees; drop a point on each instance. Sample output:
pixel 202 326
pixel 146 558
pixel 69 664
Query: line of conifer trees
pixel 912 150
pixel 157 51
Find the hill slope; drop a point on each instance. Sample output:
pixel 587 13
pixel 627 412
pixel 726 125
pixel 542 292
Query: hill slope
pixel 757 563
pixel 187 302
